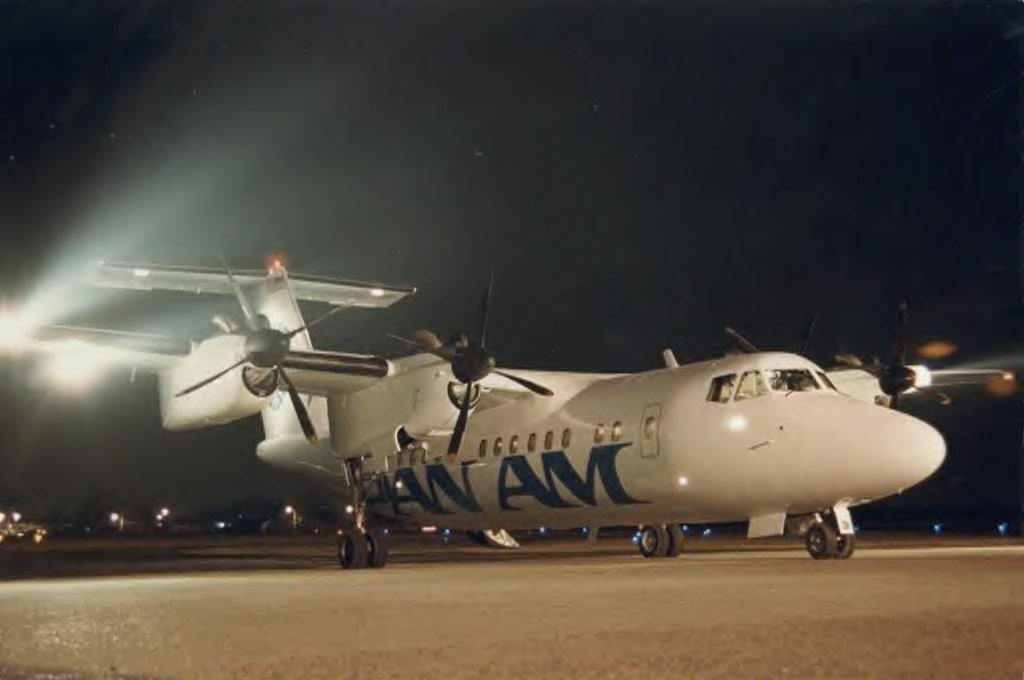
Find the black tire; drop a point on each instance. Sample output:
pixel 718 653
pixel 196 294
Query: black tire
pixel 675 540
pixel 653 540
pixel 821 541
pixel 353 550
pixel 845 544
pixel 377 549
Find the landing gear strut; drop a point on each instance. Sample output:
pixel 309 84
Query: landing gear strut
pixel 659 540
pixel 360 545
pixel 832 536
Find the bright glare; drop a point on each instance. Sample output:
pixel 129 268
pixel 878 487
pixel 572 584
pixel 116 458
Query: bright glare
pixel 114 517
pixel 15 516
pixel 164 512
pixel 377 292
pixel 736 423
pixel 923 376
pixel 288 509
pixel 75 367
pixel 683 480
pixel 141 273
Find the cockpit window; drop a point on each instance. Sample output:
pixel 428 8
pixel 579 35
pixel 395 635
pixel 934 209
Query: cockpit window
pixel 792 380
pixel 751 385
pixel 825 381
pixel 721 388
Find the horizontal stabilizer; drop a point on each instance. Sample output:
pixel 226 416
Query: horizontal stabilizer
pixel 339 292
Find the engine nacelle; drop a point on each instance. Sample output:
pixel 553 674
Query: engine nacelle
pixel 226 399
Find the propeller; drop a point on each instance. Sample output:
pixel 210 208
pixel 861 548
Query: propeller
pixel 266 348
pixel 471 361
pixel 895 377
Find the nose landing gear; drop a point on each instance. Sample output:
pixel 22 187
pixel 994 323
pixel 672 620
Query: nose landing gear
pixel 832 536
pixel 659 540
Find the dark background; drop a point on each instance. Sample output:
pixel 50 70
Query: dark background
pixel 638 174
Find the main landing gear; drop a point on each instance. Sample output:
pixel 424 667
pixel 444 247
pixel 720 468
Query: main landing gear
pixel 660 540
pixel 360 545
pixel 831 536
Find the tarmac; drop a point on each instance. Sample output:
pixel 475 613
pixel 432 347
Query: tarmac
pixel 554 609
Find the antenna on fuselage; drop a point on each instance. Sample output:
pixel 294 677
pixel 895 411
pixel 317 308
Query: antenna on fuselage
pixel 745 345
pixel 669 357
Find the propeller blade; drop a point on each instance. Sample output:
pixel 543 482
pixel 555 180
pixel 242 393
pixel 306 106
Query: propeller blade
pixel 528 384
pixel 807 335
pixel 460 423
pixel 481 337
pixel 328 314
pixel 300 409
pixel 744 344
pixel 207 381
pixel 439 352
pixel 901 333
pixel 250 316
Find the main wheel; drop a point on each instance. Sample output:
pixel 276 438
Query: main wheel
pixel 675 540
pixel 844 546
pixel 653 540
pixel 821 541
pixel 353 549
pixel 377 547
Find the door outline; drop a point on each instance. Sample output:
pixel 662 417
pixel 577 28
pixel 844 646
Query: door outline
pixel 649 445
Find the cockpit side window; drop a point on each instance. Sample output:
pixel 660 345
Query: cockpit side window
pixel 792 380
pixel 825 381
pixel 721 388
pixel 751 385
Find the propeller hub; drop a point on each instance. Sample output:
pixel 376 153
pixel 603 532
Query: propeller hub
pixel 266 347
pixel 472 364
pixel 896 379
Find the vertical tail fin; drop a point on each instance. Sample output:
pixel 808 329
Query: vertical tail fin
pixel 274 299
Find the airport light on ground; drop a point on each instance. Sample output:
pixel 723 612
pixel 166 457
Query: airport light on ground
pixel 15 516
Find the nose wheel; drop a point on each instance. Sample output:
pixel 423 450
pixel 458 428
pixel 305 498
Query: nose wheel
pixel 824 541
pixel 659 540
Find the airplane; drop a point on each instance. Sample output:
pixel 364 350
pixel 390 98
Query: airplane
pixel 446 437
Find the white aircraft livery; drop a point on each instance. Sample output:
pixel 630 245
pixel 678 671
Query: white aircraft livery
pixel 444 437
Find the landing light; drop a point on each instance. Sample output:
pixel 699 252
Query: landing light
pixel 140 272
pixel 377 292
pixel 349 509
pixel 683 480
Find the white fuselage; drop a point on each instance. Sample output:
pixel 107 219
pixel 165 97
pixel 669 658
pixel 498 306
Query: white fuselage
pixel 630 449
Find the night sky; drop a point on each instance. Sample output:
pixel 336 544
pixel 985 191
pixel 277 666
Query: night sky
pixel 639 175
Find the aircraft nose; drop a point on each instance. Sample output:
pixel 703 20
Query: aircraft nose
pixel 922 451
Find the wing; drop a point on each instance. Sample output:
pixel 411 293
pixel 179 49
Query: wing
pixel 339 292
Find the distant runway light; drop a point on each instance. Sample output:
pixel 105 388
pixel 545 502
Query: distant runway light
pixel 349 509
pixel 15 516
pixel 706 532
pixel 937 528
pixel 1003 528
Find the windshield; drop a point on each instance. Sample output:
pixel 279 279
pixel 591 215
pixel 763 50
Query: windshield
pixel 791 380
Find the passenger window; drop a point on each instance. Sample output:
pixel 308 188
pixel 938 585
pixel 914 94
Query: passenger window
pixel 549 440
pixel 531 443
pixel 566 438
pixel 751 385
pixel 599 433
pixel 513 444
pixel 483 448
pixel 825 381
pixel 497 446
pixel 721 388
pixel 650 427
pixel 616 430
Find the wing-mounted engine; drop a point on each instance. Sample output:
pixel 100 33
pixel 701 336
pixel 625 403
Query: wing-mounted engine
pixel 242 391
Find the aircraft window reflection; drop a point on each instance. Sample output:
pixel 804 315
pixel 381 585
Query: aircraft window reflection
pixel 549 440
pixel 566 438
pixel 497 446
pixel 616 430
pixel 483 448
pixel 531 443
pixel 599 433
pixel 792 380
pixel 721 388
pixel 751 385
pixel 513 444
pixel 826 382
